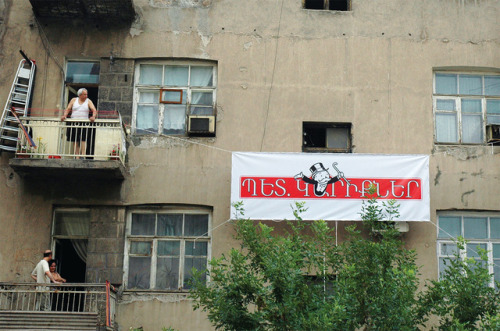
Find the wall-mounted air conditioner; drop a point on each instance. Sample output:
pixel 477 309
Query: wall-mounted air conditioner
pixel 401 226
pixel 201 125
pixel 493 133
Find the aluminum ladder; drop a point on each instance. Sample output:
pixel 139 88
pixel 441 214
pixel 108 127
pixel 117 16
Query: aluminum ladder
pixel 19 100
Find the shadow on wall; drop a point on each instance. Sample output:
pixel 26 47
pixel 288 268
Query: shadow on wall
pixel 75 190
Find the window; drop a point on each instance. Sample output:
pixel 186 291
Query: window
pixel 166 93
pixel 340 5
pixel 326 137
pixel 464 106
pixel 163 247
pixel 479 229
pixel 82 74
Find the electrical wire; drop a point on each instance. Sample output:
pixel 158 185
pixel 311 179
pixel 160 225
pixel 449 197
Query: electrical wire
pixel 272 77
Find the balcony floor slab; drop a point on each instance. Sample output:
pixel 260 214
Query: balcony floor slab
pixel 61 168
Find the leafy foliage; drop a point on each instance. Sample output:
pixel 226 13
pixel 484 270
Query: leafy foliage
pixel 367 282
pixel 462 298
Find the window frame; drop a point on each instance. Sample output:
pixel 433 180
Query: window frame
pixel 186 93
pixel 457 97
pixel 488 241
pixel 63 210
pixel 325 126
pixel 71 88
pixel 154 239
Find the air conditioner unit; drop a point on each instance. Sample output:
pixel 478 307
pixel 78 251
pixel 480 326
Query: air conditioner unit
pixel 401 226
pixel 202 125
pixel 493 133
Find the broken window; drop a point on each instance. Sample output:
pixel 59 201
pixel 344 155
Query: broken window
pixel 338 5
pixel 326 137
pixel 163 248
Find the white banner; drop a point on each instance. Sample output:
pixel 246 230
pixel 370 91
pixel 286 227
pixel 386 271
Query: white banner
pixel 333 186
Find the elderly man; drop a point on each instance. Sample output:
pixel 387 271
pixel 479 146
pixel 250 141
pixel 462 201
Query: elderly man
pixel 41 274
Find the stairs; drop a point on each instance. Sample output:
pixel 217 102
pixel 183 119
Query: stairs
pixel 19 100
pixel 50 320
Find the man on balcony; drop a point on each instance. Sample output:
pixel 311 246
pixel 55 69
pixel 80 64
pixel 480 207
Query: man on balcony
pixel 41 274
pixel 79 109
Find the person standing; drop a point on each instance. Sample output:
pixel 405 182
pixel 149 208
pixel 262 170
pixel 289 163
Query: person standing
pixel 41 274
pixel 55 274
pixel 79 109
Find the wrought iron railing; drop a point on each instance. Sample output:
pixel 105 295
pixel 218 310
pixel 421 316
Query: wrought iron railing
pixel 64 298
pixel 104 139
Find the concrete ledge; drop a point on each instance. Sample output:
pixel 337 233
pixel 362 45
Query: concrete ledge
pixel 61 168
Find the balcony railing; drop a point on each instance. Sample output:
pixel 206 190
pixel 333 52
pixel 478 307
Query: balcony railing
pixel 103 139
pixel 97 299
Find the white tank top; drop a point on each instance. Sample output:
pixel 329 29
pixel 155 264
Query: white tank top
pixel 80 110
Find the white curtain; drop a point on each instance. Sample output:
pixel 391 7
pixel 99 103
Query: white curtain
pixel 147 118
pixel 470 85
pixel 446 128
pixel 201 101
pixel 176 75
pixel 150 74
pixel 493 111
pixel 201 77
pixel 472 129
pixel 174 117
pixel 75 224
pixel 446 84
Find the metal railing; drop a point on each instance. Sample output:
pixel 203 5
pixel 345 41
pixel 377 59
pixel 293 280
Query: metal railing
pixel 64 298
pixel 103 139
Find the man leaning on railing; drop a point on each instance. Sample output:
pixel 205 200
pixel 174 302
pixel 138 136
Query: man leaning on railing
pixel 41 274
pixel 79 108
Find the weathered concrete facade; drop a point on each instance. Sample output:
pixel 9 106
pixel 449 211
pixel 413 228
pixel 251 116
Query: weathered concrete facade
pixel 278 65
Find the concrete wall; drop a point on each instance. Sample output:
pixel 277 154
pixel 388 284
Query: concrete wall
pixel 116 87
pixel 278 66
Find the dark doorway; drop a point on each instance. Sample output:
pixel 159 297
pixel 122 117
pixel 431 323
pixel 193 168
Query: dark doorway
pixel 71 267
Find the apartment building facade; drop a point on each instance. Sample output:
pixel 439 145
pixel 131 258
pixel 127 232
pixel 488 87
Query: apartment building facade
pixel 188 82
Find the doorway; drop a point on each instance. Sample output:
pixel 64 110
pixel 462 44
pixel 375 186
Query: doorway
pixel 70 266
pixel 70 233
pixel 93 92
pixel 83 74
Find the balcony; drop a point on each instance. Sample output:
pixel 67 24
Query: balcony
pixel 67 306
pixel 110 11
pixel 50 151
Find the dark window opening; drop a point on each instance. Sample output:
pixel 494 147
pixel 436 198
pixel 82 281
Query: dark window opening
pixel 326 137
pixel 314 4
pixel 341 5
pixel 338 5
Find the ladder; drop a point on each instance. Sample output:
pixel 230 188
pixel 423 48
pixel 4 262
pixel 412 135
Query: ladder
pixel 18 101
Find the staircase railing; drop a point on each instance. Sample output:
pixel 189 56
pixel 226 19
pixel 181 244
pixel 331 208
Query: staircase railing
pixel 62 298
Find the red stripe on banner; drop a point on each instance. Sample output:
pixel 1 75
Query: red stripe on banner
pixel 349 188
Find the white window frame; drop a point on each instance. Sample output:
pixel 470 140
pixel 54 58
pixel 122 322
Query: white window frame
pixel 187 90
pixel 489 242
pixel 458 104
pixel 154 240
